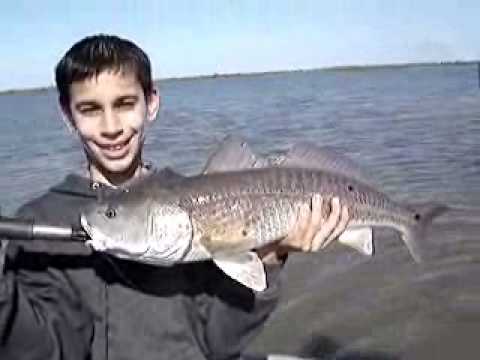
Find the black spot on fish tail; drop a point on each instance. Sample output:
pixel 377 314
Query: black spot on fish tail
pixel 350 188
pixel 423 216
pixel 429 211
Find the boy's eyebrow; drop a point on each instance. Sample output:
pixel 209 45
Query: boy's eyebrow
pixel 92 103
pixel 86 103
pixel 126 97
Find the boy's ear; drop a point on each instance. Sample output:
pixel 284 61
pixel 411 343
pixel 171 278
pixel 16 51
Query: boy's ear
pixel 66 117
pixel 153 105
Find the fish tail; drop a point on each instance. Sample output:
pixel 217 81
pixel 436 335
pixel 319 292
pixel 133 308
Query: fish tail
pixel 423 217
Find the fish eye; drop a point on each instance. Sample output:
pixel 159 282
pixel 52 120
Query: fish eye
pixel 110 213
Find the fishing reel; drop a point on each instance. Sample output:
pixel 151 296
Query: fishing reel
pixel 29 229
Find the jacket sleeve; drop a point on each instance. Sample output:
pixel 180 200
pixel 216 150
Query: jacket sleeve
pixel 237 314
pixel 41 315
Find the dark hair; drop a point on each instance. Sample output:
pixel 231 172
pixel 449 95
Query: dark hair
pixel 95 54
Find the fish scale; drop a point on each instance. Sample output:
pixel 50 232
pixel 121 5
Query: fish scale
pixel 263 217
pixel 287 188
pixel 293 183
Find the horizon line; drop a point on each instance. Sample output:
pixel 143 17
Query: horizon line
pixel 256 73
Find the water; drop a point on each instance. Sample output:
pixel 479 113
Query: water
pixel 415 128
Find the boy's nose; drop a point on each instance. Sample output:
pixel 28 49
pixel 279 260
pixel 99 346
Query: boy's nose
pixel 112 126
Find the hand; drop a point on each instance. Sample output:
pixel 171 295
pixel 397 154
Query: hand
pixel 311 231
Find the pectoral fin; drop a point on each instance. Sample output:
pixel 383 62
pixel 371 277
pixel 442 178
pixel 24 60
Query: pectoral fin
pixel 360 239
pixel 246 268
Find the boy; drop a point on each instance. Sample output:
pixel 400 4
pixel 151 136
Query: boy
pixel 63 301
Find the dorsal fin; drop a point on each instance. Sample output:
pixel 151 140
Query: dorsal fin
pixel 309 155
pixel 232 154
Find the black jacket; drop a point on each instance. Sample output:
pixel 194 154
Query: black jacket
pixel 62 301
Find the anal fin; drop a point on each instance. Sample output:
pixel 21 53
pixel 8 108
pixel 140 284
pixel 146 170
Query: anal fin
pixel 246 268
pixel 360 239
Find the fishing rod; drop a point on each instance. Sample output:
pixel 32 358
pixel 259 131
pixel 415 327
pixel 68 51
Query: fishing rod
pixel 28 229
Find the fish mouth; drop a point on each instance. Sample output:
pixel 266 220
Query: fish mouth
pixel 98 240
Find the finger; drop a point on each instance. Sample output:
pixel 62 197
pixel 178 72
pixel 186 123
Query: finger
pixel 328 226
pixel 294 238
pixel 333 221
pixel 340 228
pixel 314 224
pixel 303 234
pixel 317 209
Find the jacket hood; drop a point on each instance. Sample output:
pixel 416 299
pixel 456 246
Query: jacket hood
pixel 77 185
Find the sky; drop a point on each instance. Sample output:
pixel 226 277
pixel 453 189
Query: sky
pixel 187 38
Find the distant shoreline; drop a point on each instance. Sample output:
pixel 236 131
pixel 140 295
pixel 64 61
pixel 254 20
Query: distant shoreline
pixel 40 89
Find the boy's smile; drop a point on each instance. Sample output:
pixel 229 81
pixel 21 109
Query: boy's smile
pixel 109 113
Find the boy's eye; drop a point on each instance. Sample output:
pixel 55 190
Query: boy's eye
pixel 126 104
pixel 89 110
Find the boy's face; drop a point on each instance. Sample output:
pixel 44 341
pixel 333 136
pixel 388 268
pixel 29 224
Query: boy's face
pixel 109 113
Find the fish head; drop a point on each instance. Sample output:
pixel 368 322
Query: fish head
pixel 132 226
pixel 115 224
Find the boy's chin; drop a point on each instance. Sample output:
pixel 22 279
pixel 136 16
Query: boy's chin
pixel 119 167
